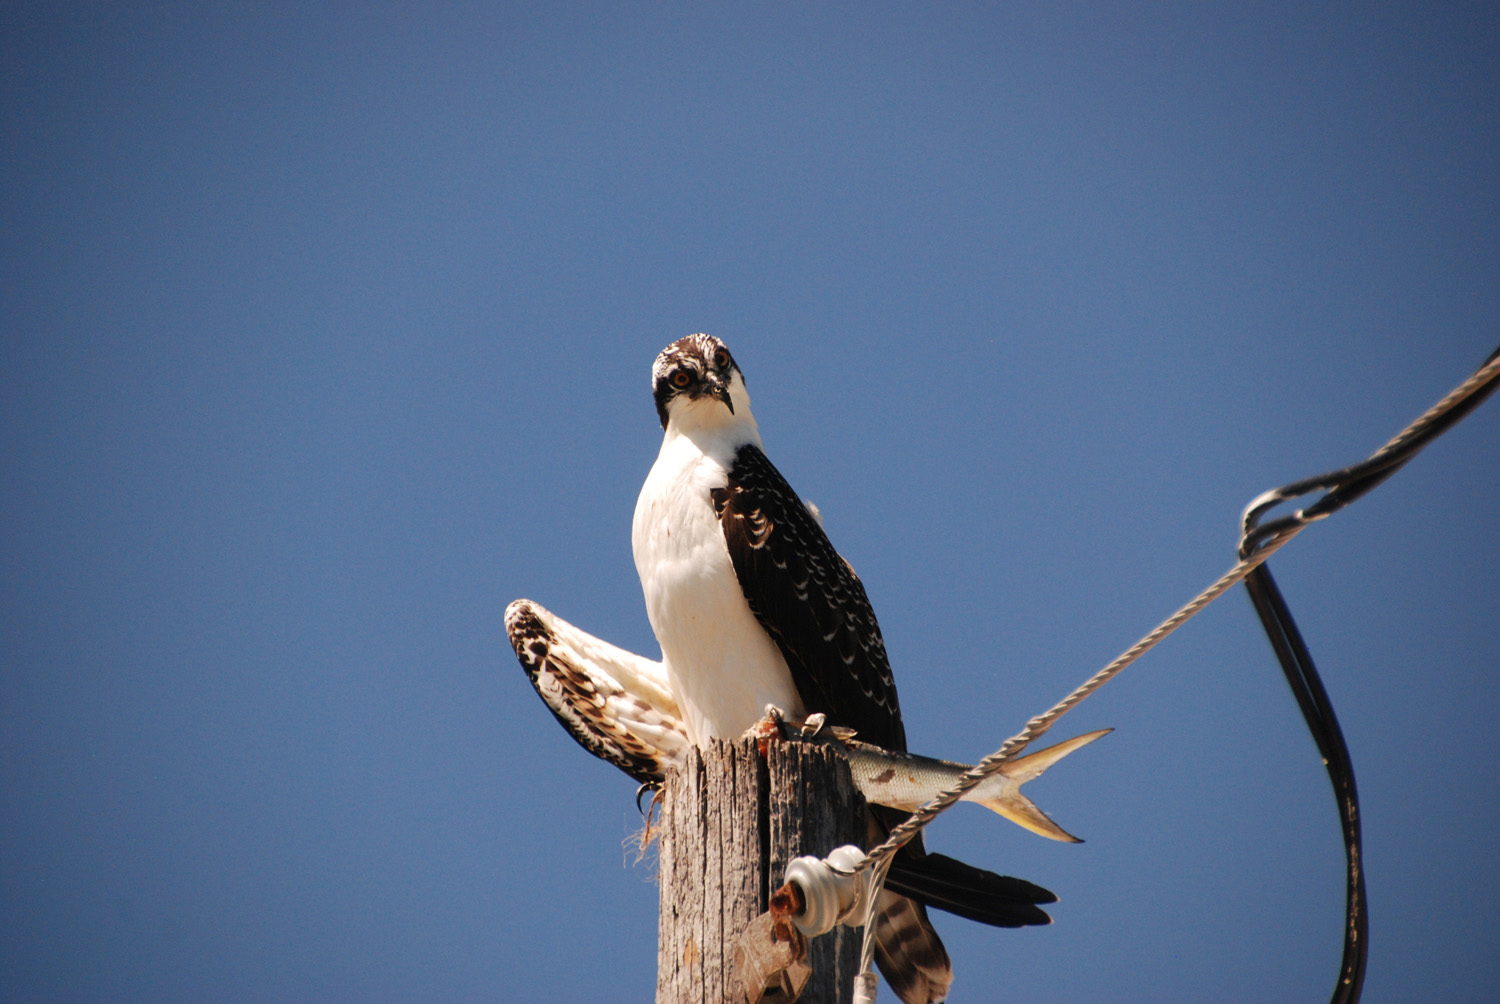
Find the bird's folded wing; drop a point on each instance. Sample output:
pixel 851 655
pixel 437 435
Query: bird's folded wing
pixel 809 601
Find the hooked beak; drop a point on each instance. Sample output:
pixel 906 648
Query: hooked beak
pixel 719 389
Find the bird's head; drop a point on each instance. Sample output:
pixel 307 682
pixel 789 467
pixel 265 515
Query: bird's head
pixel 696 382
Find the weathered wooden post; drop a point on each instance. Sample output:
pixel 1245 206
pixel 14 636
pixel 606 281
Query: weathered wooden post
pixel 730 821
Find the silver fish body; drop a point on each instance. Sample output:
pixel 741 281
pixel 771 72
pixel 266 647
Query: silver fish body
pixel 908 781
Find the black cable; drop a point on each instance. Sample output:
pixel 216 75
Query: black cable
pixel 1341 487
pixel 1317 711
pixel 1347 484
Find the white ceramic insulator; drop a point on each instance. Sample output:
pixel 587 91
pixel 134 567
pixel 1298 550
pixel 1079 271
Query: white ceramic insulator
pixel 832 892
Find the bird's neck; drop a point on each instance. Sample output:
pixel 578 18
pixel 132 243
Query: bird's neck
pixel 712 427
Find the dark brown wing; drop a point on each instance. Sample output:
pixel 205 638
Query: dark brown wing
pixel 809 601
pixel 812 604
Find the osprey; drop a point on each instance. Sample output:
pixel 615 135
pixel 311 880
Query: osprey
pixel 753 606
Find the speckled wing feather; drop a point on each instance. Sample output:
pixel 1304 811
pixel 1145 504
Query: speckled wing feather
pixel 813 606
pixel 809 601
pixel 616 704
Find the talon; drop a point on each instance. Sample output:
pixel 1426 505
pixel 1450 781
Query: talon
pixel 767 729
pixel 814 724
pixel 652 786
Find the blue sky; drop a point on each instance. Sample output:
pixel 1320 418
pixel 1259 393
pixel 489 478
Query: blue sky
pixel 327 332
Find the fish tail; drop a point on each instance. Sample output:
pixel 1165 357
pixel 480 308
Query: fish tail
pixel 1021 810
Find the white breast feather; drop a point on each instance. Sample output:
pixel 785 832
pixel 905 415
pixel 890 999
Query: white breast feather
pixel 723 667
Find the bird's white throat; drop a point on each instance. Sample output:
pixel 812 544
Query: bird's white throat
pixel 722 665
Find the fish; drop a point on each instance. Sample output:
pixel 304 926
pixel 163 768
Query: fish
pixel 907 781
pixel 620 707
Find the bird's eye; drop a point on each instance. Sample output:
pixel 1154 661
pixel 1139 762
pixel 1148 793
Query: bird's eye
pixel 721 359
pixel 681 379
